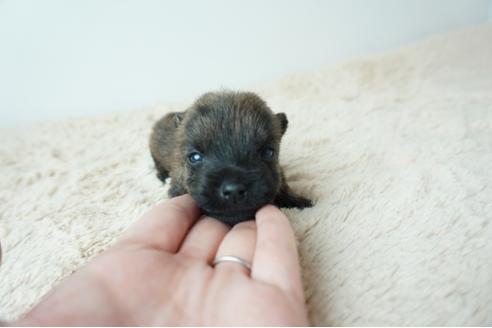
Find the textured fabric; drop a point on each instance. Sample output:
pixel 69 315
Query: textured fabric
pixel 395 149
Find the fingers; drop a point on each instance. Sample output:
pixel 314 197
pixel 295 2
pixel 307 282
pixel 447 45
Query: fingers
pixel 165 225
pixel 240 242
pixel 204 239
pixel 276 261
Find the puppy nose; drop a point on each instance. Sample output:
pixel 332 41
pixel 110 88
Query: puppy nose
pixel 232 191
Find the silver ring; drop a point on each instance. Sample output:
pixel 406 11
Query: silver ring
pixel 234 259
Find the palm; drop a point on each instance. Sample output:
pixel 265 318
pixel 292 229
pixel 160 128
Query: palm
pixel 186 291
pixel 159 273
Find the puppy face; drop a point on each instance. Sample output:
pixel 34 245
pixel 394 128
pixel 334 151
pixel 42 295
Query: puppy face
pixel 230 153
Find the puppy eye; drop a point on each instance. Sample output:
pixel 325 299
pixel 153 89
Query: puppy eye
pixel 195 157
pixel 267 153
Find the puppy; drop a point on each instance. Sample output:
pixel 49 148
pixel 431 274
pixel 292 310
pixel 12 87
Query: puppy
pixel 223 151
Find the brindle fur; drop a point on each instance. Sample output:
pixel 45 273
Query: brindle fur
pixel 229 128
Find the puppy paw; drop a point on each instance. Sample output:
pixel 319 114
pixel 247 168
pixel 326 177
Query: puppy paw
pixel 301 202
pixel 290 200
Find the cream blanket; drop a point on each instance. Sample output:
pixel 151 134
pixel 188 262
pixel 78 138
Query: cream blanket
pixel 395 149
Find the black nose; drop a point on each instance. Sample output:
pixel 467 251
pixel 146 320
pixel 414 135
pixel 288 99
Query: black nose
pixel 233 191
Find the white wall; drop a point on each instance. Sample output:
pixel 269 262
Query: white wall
pixel 63 58
pixel 490 10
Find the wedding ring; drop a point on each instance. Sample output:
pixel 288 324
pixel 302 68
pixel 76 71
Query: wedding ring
pixel 233 259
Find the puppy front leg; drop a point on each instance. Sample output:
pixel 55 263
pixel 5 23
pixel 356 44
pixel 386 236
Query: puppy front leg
pixel 162 173
pixel 176 189
pixel 288 199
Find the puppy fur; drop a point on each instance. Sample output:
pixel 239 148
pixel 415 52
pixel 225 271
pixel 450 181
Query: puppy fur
pixel 223 151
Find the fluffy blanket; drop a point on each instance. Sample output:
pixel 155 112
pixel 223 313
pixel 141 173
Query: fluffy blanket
pixel 395 149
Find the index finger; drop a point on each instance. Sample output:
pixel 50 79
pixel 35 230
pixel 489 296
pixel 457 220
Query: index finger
pixel 276 261
pixel 165 225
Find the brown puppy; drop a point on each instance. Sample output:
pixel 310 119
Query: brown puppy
pixel 223 151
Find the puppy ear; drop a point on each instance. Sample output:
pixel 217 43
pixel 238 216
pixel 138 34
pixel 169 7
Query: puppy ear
pixel 178 117
pixel 283 122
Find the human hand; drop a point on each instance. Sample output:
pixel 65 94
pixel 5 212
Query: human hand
pixel 160 273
